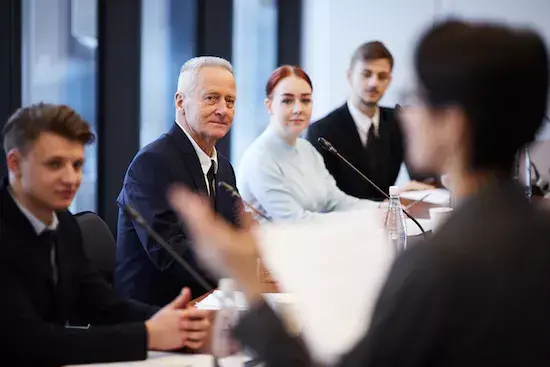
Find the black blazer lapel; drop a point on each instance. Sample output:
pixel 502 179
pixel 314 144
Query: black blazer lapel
pixel 224 200
pixel 353 147
pixel 189 156
pixel 349 129
pixel 66 289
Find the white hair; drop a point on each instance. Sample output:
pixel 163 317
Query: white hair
pixel 190 70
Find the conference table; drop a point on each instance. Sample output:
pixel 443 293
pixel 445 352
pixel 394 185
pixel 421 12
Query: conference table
pixel 420 210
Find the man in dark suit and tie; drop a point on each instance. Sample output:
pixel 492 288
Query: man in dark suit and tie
pixel 477 292
pixel 205 105
pixel 367 134
pixel 46 280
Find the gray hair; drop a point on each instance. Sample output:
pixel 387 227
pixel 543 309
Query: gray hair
pixel 190 70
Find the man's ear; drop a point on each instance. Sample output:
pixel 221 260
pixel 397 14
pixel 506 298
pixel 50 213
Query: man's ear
pixel 13 160
pixel 178 100
pixel 268 103
pixel 348 76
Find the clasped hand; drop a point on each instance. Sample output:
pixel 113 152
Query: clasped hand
pixel 175 326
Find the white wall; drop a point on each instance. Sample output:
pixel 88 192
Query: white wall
pixel 334 28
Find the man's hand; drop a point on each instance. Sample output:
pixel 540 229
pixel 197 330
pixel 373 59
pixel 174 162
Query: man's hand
pixel 235 250
pixel 197 325
pixel 174 327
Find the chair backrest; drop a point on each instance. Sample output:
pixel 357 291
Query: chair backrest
pixel 99 243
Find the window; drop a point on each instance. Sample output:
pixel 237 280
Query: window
pixel 59 66
pixel 167 41
pixel 254 58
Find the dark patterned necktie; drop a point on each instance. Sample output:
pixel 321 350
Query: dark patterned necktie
pixel 50 238
pixel 211 177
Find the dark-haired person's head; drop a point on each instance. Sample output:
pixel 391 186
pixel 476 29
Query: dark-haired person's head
pixel 44 145
pixel 481 96
pixel 369 74
pixel 288 100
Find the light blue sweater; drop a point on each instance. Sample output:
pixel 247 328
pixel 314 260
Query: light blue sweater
pixel 290 182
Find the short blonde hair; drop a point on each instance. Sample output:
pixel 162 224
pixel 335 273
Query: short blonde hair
pixel 190 70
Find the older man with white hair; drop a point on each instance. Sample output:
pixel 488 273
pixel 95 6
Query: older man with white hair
pixel 204 109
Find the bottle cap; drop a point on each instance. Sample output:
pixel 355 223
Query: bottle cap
pixel 226 285
pixel 394 190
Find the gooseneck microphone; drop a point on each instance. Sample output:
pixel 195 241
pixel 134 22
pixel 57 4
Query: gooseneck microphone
pixel 331 149
pixel 236 195
pixel 138 218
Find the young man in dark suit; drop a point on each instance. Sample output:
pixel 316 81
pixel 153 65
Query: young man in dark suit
pixel 45 277
pixel 477 292
pixel 367 134
pixel 205 105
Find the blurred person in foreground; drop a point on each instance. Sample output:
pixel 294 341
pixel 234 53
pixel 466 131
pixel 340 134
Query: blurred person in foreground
pixel 476 293
pixel 56 309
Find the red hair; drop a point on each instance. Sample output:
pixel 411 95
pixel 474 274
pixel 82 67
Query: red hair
pixel 282 72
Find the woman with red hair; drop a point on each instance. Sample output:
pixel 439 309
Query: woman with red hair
pixel 281 174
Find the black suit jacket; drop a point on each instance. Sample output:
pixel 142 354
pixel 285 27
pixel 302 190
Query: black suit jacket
pixel 476 294
pixel 34 311
pixel 339 128
pixel 144 270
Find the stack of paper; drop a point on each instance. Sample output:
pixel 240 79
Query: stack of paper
pixel 212 301
pixel 334 267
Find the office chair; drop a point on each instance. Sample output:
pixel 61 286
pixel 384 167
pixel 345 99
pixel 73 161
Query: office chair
pixel 99 243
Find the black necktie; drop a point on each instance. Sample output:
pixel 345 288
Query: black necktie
pixel 371 135
pixel 211 177
pixel 50 238
pixel 374 159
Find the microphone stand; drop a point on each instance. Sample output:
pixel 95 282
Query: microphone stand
pixel 138 218
pixel 135 215
pixel 236 195
pixel 330 148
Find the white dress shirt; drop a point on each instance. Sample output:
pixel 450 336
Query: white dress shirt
pixel 364 122
pixel 205 160
pixel 36 223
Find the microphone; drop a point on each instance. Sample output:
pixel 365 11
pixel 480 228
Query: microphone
pixel 235 194
pixel 331 149
pixel 138 218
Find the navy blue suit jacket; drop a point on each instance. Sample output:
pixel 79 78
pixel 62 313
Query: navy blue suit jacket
pixel 144 270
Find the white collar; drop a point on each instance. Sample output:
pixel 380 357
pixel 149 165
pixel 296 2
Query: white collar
pixel 364 122
pixel 204 159
pixel 36 223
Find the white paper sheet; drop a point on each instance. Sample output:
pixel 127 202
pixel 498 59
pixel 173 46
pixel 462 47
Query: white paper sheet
pixel 334 267
pixel 212 302
pixel 437 196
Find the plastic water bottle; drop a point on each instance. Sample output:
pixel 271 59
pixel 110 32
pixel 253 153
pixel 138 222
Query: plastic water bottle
pixel 224 347
pixel 395 223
